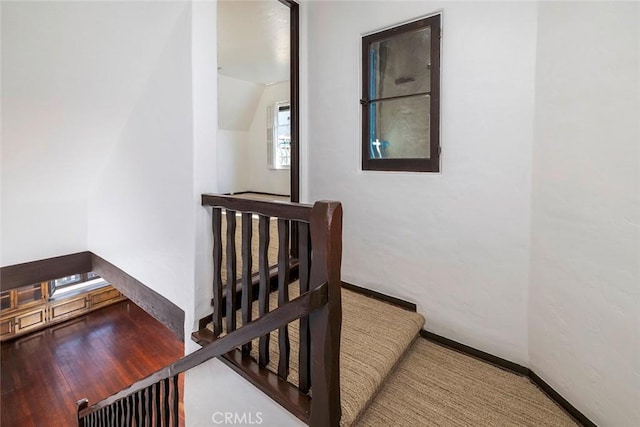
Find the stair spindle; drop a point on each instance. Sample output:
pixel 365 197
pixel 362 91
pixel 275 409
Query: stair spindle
pixel 175 401
pixel 247 231
pixel 283 295
pixel 156 399
pixel 217 271
pixel 231 271
pixel 166 413
pixel 263 293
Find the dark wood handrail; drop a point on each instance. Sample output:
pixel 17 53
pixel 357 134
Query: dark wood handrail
pixel 295 309
pixel 282 210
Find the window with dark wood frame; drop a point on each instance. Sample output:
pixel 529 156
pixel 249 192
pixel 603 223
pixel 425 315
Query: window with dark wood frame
pixel 401 98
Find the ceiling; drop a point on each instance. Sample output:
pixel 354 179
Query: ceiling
pixel 253 40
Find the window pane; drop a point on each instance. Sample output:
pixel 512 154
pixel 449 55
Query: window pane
pixel 283 138
pixel 5 300
pixel 400 128
pixel 401 65
pixel 29 293
pixel 65 281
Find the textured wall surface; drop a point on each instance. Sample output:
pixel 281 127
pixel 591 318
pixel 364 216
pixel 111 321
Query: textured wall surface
pixel 456 242
pixel 584 313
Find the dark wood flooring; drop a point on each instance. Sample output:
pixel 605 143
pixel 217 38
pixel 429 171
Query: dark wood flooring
pixel 44 374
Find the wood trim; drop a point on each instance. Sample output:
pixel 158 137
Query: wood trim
pixel 29 273
pixel 149 300
pixel 478 354
pixel 294 98
pixel 406 305
pixel 561 401
pixel 283 392
pixel 515 368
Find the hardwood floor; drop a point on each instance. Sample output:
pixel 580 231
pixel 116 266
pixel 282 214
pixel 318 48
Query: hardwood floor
pixel 44 374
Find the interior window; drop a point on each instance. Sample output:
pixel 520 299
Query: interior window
pixel 75 282
pixel 400 98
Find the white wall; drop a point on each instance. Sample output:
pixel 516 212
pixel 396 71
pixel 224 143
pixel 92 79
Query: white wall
pixel 457 242
pixel 234 395
pixel 205 177
pixel 262 178
pixel 233 161
pixel 71 73
pixel 141 204
pixel 237 103
pixel 584 315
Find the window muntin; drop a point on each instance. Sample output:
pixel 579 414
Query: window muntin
pixel 400 104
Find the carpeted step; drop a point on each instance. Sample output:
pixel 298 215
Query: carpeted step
pixel 375 335
pixel 435 386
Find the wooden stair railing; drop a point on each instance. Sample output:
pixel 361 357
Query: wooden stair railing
pixel 153 401
pixel 318 250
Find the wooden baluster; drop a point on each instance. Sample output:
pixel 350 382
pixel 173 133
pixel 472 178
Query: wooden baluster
pixel 263 293
pixel 325 323
pixel 165 403
pixel 146 398
pixel 121 411
pixel 176 401
pixel 136 408
pixel 231 271
pixel 156 398
pixel 142 407
pixel 116 414
pixel 149 392
pixel 149 397
pixel 127 411
pixel 304 265
pixel 217 270
pixel 247 267
pixel 283 295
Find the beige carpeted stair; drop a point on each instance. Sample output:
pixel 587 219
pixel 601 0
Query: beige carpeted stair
pixel 388 378
pixel 375 335
pixel 435 386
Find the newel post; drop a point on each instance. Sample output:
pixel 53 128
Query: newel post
pixel 81 404
pixel 325 323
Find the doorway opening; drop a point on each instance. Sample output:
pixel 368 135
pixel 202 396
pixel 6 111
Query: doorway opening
pixel 258 99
